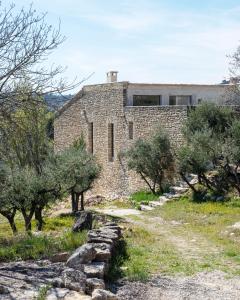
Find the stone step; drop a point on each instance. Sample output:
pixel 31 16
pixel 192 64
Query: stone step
pixel 178 189
pixel 165 197
pixel 155 203
pixel 145 207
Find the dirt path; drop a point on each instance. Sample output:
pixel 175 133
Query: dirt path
pixel 189 244
pixel 202 286
pixel 192 246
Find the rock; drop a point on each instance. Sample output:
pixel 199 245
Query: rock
pixel 65 294
pixel 145 207
pixel 57 283
pixel 103 253
pixel 60 257
pixel 97 236
pixel 74 279
pixel 3 290
pixel 95 270
pixel 164 198
pixel 94 283
pixel 114 229
pixel 179 189
pixel 76 296
pixel 56 294
pixel 155 203
pixel 110 224
pixel 99 294
pixel 84 221
pixel 84 254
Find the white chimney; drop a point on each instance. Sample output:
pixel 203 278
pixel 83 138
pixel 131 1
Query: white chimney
pixel 112 76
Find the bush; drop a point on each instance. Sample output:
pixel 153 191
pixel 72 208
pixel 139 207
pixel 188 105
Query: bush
pixel 211 151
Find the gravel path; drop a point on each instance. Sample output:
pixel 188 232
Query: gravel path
pixel 203 286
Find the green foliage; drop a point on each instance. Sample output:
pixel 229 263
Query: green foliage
pixel 42 293
pixel 209 116
pixel 142 197
pixel 212 150
pixel 152 160
pixel 77 169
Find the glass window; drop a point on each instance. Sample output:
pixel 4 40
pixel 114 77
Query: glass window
pixel 180 100
pixel 146 100
pixel 172 100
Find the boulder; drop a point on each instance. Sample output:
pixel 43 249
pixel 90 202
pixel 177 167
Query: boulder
pixel 82 255
pixel 74 280
pixel 94 283
pixel 99 294
pixel 95 270
pixel 84 221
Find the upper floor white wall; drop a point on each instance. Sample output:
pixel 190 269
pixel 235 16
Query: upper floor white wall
pixel 204 92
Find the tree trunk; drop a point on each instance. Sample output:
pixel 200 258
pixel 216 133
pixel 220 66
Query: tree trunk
pixel 39 218
pixel 82 201
pixel 188 183
pixel 10 217
pixel 28 218
pixel 12 224
pixel 75 201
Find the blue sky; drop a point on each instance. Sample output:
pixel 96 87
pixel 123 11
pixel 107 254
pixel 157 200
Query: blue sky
pixel 175 41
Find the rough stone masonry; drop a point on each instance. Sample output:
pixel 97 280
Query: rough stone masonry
pixel 111 122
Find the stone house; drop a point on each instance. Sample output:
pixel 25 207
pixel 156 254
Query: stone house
pixel 112 116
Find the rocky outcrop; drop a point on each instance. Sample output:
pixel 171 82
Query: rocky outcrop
pixel 81 278
pixel 83 222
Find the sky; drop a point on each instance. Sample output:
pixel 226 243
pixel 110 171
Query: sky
pixel 153 41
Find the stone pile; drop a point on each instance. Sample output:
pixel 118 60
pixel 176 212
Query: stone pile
pixel 175 193
pixel 86 268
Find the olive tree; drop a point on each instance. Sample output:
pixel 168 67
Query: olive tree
pixel 153 160
pixel 78 170
pixel 212 149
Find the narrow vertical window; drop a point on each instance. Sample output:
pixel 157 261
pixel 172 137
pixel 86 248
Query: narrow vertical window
pixel 90 137
pixel 110 142
pixel 130 130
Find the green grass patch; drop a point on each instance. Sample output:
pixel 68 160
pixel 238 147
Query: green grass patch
pixel 42 293
pixel 56 237
pixel 202 240
pixel 142 197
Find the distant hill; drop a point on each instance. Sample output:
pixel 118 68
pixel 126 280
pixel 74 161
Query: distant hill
pixel 55 101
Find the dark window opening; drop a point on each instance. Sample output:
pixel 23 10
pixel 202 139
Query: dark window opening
pixel 180 100
pixel 130 130
pixel 110 142
pixel 146 100
pixel 90 137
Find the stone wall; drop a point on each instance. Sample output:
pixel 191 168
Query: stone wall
pixel 105 104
